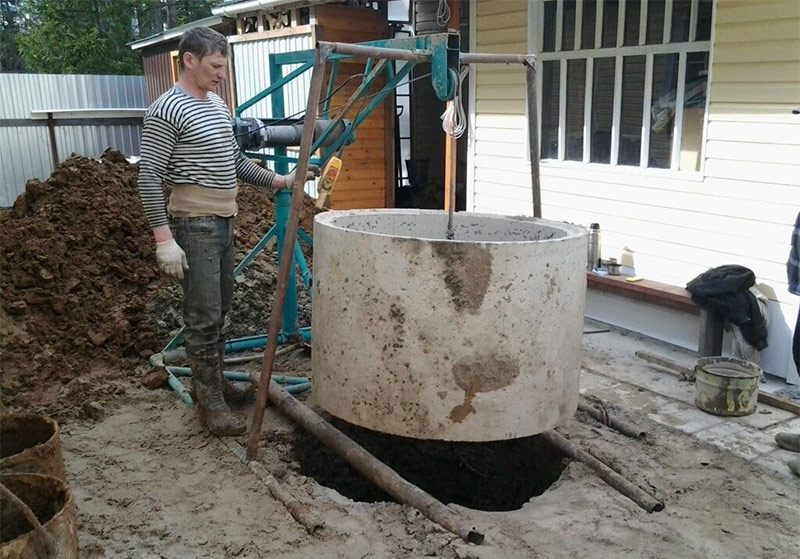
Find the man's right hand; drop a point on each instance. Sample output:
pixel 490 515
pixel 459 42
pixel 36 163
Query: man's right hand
pixel 171 259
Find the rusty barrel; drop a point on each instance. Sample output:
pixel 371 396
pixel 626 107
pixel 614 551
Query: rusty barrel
pixel 30 443
pixel 51 502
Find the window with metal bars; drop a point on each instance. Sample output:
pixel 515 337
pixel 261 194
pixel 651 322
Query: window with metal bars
pixel 623 82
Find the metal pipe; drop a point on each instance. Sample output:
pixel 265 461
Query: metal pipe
pixel 615 423
pixel 178 387
pixel 370 467
pixel 612 478
pixel 491 58
pixel 375 52
pixel 287 255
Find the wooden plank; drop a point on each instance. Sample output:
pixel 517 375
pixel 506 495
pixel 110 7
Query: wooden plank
pixel 645 290
pixel 765 51
pixel 757 73
pixel 517 34
pixel 754 171
pixel 710 337
pixel 730 11
pixel 485 8
pixel 495 106
pixel 761 153
pixel 765 133
pixel 505 20
pixel 753 112
pixel 776 92
pixel 755 31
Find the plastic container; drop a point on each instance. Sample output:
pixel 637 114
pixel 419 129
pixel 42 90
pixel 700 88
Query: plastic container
pixel 726 386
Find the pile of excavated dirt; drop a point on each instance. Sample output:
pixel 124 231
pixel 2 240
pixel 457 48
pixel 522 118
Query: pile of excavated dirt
pixel 81 295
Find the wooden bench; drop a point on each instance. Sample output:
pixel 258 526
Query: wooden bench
pixel 665 295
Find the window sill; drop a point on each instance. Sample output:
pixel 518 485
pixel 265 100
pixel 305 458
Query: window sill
pixel 694 176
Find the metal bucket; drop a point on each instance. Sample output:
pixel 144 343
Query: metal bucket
pixel 30 444
pixel 51 502
pixel 726 386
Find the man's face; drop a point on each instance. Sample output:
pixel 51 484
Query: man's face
pixel 205 73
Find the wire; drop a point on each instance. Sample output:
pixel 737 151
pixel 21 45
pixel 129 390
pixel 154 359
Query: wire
pixel 443 13
pixel 454 120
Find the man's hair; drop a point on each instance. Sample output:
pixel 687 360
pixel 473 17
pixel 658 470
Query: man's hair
pixel 201 41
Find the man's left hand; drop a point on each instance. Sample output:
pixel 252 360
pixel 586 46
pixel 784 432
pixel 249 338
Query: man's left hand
pixel 313 172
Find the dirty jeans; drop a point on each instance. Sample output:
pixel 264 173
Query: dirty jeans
pixel 208 284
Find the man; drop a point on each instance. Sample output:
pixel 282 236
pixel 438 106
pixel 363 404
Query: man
pixel 787 440
pixel 188 143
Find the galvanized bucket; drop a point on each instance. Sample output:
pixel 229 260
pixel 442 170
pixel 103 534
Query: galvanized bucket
pixel 726 386
pixel 53 534
pixel 30 443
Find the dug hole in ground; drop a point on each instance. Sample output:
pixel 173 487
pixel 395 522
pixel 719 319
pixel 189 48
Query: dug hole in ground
pixel 83 308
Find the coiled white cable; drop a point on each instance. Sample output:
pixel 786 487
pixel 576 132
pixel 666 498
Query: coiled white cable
pixel 454 119
pixel 443 13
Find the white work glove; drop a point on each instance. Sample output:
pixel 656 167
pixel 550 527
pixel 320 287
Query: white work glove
pixel 313 172
pixel 171 259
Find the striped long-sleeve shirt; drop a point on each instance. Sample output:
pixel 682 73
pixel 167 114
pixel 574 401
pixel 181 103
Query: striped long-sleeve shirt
pixel 189 141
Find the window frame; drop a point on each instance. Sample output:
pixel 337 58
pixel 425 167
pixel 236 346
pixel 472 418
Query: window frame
pixel 618 52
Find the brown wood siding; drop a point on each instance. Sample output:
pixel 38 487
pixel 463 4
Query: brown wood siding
pixel 364 180
pixel 158 72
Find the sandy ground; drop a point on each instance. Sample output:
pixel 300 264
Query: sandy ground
pixel 149 482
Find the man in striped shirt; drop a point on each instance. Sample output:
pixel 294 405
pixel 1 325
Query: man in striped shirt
pixel 188 143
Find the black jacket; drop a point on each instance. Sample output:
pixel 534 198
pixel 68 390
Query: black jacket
pixel 726 290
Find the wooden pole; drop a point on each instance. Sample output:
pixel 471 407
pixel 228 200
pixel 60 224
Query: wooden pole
pixel 287 257
pixel 450 142
pixel 533 137
pixel 370 467
pixel 612 478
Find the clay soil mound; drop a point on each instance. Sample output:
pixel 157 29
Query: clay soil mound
pixel 81 297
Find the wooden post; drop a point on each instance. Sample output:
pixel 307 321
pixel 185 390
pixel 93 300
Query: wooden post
pixel 451 143
pixel 287 256
pixel 51 133
pixel 370 467
pixel 533 137
pixel 710 342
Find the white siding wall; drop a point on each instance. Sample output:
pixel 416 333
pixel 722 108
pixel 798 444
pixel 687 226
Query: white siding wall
pixel 740 209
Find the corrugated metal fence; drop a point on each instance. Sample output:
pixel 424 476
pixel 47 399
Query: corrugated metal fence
pixel 25 150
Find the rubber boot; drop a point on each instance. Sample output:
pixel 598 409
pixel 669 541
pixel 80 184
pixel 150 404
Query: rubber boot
pixel 234 392
pixel 214 412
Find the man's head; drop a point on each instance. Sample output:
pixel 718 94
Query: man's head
pixel 202 58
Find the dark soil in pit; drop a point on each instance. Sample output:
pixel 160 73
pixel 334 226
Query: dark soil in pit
pixel 490 476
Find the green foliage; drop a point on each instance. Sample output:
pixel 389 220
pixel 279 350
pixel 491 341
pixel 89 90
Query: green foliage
pixel 92 36
pixel 10 59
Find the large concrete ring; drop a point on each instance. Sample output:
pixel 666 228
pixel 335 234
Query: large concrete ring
pixel 475 339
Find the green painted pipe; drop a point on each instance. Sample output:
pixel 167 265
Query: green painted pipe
pixel 240 376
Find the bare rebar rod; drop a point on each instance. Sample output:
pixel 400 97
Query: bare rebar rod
pixel 614 422
pixel 612 478
pixel 370 467
pixel 492 58
pixel 287 256
pixel 375 52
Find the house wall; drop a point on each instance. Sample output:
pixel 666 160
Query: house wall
pixel 739 209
